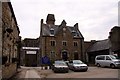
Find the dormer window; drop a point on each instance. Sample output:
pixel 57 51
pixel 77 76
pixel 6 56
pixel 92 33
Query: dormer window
pixel 52 32
pixel 74 33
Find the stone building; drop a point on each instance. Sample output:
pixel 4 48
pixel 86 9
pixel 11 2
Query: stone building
pixel 87 45
pixel 60 41
pixel 94 48
pixel 104 47
pixel 30 52
pixel 114 37
pixel 10 40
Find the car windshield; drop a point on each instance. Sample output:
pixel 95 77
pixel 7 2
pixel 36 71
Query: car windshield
pixel 77 62
pixel 116 57
pixel 60 62
pixel 113 57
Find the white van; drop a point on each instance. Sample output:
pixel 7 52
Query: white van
pixel 107 60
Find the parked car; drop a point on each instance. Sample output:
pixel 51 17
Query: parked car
pixel 77 65
pixel 60 66
pixel 67 62
pixel 107 61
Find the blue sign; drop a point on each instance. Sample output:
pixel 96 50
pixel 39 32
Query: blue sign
pixel 45 60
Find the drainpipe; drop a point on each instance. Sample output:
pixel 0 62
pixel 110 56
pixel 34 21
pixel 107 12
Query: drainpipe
pixel 81 50
pixel 45 46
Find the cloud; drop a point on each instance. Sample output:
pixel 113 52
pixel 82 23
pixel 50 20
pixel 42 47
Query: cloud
pixel 95 17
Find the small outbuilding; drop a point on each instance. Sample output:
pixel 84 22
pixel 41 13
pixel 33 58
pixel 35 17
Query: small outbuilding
pixel 98 48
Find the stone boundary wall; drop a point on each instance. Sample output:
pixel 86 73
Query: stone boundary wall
pixel 9 71
pixel 0 39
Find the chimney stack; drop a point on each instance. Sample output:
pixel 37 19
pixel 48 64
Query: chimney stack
pixel 50 19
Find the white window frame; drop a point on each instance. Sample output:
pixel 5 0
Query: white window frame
pixel 51 54
pixel 51 41
pixel 74 42
pixel 53 33
pixel 63 43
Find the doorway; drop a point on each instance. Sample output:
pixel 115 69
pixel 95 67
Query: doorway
pixel 65 55
pixel 76 56
pixel 31 60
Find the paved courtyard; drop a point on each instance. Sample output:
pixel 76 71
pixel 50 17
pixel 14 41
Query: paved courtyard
pixel 93 72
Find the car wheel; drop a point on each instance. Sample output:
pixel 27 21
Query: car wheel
pixel 55 71
pixel 66 71
pixel 98 65
pixel 112 66
pixel 85 70
pixel 74 69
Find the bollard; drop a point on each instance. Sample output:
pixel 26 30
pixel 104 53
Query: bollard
pixel 43 68
pixel 48 67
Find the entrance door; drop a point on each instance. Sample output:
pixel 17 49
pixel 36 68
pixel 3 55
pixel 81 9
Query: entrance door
pixel 31 60
pixel 76 56
pixel 64 56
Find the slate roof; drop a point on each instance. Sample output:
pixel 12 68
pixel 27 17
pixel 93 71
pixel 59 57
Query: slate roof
pixel 100 45
pixel 47 27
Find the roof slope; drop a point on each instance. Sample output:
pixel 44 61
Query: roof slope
pixel 47 27
pixel 100 45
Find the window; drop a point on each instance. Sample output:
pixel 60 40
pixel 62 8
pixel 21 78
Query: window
pixel 74 33
pixel 64 43
pixel 101 58
pixel 75 43
pixel 52 43
pixel 108 58
pixel 52 55
pixel 70 61
pixel 113 57
pixel 52 31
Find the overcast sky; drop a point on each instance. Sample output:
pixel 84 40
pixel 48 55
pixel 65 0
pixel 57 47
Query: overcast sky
pixel 95 17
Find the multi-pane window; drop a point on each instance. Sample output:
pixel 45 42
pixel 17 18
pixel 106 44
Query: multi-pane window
pixel 64 43
pixel 52 43
pixel 52 55
pixel 75 43
pixel 74 33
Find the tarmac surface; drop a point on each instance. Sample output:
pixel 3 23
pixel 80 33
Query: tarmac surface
pixel 31 74
pixel 38 73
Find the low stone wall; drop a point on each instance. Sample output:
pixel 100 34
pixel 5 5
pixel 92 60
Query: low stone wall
pixel 9 71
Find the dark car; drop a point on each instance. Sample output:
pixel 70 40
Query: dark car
pixel 60 66
pixel 77 65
